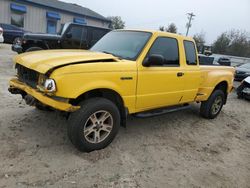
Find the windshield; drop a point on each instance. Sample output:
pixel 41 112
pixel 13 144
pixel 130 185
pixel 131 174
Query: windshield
pixel 246 66
pixel 123 44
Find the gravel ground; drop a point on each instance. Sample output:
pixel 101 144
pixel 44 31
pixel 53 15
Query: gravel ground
pixel 174 150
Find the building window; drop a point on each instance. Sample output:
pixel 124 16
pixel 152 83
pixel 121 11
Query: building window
pixel 17 14
pixel 52 18
pixel 80 21
pixel 17 19
pixel 51 26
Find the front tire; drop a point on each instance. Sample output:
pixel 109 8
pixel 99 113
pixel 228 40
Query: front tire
pixel 95 125
pixel 211 108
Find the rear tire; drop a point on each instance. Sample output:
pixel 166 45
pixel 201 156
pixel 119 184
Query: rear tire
pixel 95 125
pixel 211 108
pixel 31 49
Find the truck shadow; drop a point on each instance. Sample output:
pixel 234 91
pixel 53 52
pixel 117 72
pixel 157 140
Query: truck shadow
pixel 48 130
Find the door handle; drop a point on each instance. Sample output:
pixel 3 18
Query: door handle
pixel 180 74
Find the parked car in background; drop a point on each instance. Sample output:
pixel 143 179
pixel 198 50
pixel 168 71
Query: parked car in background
pixel 211 60
pixel 207 50
pixel 243 91
pixel 224 61
pixel 1 35
pixel 242 72
pixel 71 36
pixel 206 60
pixel 12 33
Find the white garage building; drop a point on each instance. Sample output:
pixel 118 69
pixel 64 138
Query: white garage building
pixel 47 16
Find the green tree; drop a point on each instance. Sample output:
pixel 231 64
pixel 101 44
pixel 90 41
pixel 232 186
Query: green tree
pixel 221 44
pixel 234 42
pixel 199 39
pixel 116 22
pixel 171 28
pixel 239 43
pixel 248 53
pixel 162 28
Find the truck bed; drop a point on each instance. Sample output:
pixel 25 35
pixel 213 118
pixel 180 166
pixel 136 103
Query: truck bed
pixel 211 76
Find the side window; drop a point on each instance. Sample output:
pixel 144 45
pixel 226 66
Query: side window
pixel 84 34
pixel 168 48
pixel 7 27
pixel 51 26
pixel 190 52
pixel 97 34
pixel 78 33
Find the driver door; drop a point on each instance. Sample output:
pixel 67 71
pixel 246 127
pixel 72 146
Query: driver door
pixel 161 85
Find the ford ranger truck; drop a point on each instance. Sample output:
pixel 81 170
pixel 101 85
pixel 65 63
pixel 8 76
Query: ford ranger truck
pixel 126 72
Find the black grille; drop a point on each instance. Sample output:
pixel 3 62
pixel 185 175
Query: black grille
pixel 28 76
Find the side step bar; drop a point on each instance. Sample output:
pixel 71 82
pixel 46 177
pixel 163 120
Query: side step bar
pixel 161 111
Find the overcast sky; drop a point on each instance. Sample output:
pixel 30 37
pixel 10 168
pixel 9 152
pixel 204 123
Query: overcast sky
pixel 212 16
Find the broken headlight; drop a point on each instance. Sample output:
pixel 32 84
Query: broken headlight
pixel 46 84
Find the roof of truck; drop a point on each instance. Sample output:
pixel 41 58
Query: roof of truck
pixel 159 33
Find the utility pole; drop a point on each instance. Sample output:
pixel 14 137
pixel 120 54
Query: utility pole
pixel 190 18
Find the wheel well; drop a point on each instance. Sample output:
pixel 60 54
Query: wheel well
pixel 30 44
pixel 222 86
pixel 108 94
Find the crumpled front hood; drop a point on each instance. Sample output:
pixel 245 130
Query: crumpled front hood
pixel 43 61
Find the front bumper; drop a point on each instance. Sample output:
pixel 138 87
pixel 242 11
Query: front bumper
pixel 15 84
pixel 17 48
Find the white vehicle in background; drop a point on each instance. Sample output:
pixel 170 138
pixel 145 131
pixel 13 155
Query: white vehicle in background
pixel 243 91
pixel 1 35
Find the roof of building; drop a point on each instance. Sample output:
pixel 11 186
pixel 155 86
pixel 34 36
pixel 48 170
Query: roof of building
pixel 69 7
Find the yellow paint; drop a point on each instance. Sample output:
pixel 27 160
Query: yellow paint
pixel 149 88
pixel 14 83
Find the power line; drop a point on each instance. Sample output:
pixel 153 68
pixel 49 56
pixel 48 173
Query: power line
pixel 190 18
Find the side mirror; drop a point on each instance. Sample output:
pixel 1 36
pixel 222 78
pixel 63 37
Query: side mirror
pixel 154 59
pixel 68 35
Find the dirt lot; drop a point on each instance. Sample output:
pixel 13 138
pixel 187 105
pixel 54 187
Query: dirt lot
pixel 174 150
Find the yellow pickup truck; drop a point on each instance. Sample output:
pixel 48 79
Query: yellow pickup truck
pixel 126 72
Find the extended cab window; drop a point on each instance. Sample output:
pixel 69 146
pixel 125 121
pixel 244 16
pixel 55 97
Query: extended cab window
pixel 190 51
pixel 168 48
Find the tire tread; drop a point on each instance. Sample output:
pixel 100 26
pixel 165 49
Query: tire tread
pixel 78 116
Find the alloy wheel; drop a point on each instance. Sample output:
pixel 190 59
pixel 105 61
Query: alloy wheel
pixel 98 127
